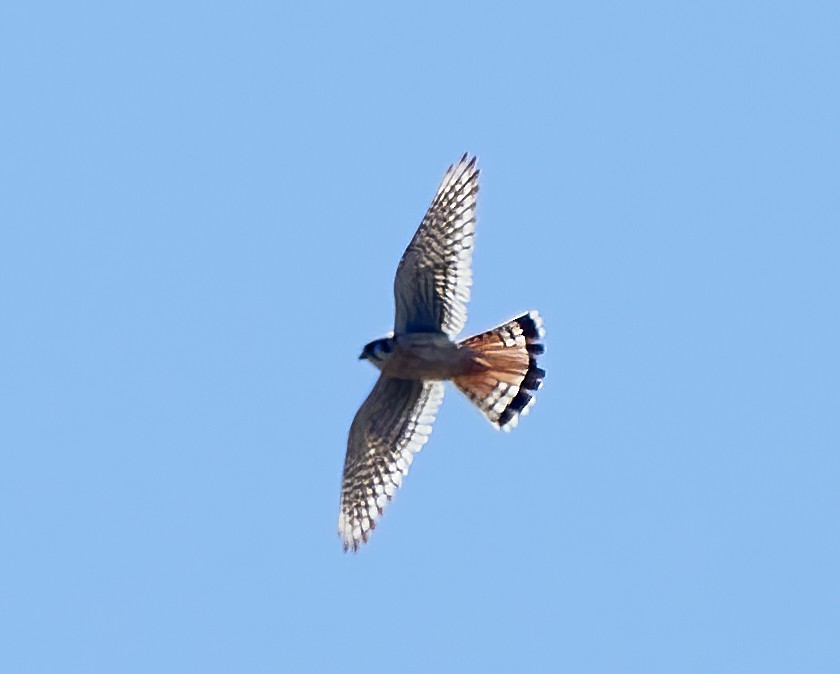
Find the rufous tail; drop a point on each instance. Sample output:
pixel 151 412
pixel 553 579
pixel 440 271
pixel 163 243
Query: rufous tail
pixel 503 373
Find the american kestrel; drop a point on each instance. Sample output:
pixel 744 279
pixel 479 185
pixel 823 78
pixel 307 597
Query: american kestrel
pixel 497 370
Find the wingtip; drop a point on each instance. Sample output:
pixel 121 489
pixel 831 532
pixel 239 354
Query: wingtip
pixel 469 160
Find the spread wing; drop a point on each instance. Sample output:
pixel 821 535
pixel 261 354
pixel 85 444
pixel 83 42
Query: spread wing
pixel 391 425
pixel 432 286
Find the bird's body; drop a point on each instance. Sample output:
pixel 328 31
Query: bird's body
pixel 497 370
pixel 424 355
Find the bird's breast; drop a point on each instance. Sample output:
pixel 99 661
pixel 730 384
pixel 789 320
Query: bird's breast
pixel 424 356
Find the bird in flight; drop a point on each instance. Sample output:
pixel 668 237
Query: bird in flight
pixel 497 370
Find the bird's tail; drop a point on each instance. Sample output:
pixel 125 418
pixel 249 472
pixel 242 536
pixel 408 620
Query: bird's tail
pixel 503 372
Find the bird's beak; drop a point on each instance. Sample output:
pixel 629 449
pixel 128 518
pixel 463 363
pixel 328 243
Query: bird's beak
pixel 362 355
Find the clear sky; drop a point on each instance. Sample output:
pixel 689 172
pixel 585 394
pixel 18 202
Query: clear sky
pixel 202 206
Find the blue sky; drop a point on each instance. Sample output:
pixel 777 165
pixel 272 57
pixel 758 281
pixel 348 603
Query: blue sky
pixel 201 211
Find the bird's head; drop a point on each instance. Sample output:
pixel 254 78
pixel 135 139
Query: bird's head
pixel 378 351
